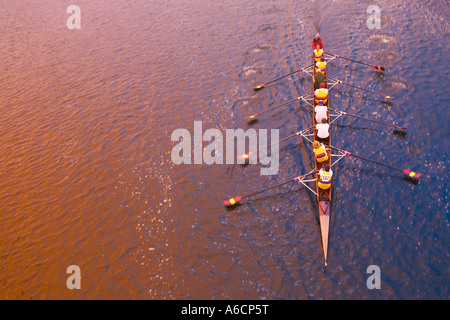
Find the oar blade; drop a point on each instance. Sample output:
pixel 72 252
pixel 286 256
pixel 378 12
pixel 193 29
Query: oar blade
pixel 259 87
pixel 412 174
pixel 253 116
pixel 379 68
pixel 246 156
pixel 232 202
pixel 386 96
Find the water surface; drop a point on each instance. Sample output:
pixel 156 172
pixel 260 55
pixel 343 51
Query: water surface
pixel 87 179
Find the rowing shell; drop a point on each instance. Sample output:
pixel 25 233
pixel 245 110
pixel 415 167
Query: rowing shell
pixel 323 196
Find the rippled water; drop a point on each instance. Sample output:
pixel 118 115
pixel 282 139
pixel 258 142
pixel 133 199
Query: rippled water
pixel 87 178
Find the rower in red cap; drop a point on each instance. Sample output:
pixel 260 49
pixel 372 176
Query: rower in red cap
pixel 317 41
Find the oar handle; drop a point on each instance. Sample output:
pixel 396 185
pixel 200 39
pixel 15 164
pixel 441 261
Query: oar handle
pixel 366 64
pixel 358 156
pixel 282 77
pixel 279 106
pixel 411 174
pixel 376 121
pixel 299 133
pixel 247 155
pixel 235 200
pixel 351 85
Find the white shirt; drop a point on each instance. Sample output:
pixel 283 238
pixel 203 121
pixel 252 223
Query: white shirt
pixel 323 132
pixel 321 112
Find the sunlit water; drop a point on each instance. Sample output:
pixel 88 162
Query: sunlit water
pixel 85 151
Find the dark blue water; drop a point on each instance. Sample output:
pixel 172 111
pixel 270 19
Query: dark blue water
pixel 88 178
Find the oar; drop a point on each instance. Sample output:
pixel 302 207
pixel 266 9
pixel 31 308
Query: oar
pixel 279 106
pixel 249 154
pixel 367 119
pixel 410 174
pixel 351 85
pixel 366 64
pixel 235 200
pixel 287 75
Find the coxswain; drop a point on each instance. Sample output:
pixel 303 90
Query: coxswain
pixel 321 66
pixel 321 112
pixel 318 53
pixel 321 94
pixel 317 41
pixel 320 152
pixel 325 175
pixel 323 129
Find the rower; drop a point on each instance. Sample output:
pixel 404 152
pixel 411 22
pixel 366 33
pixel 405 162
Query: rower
pixel 321 66
pixel 321 112
pixel 318 53
pixel 320 151
pixel 317 41
pixel 323 129
pixel 325 175
pixel 321 94
pixel 318 79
